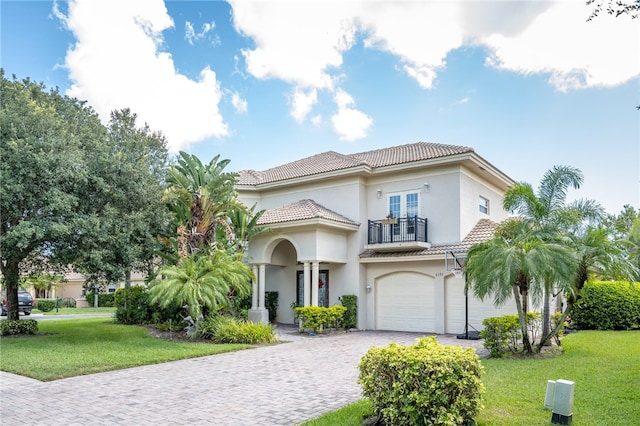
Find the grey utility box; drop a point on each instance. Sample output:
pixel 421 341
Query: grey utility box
pixel 562 402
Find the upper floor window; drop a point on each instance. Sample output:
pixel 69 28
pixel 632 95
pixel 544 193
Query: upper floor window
pixel 484 205
pixel 404 205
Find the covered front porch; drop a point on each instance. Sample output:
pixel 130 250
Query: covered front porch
pixel 297 256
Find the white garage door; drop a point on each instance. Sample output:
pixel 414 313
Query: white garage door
pixel 454 302
pixel 405 302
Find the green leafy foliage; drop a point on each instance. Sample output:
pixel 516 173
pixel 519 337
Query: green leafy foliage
pixel 350 318
pixel 204 283
pixel 73 191
pixel 501 334
pixel 14 327
pixel 607 305
pixel 271 303
pixel 318 318
pixel 225 329
pixel 105 300
pixel 45 305
pixel 423 384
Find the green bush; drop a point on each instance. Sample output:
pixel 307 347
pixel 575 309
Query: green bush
pixel 13 327
pixel 318 317
pixel 226 329
pixel 350 302
pixel 423 384
pixel 132 305
pixel 45 305
pixel 607 305
pixel 271 303
pixel 501 334
pixel 105 300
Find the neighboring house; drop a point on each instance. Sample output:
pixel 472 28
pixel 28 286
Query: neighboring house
pixel 378 225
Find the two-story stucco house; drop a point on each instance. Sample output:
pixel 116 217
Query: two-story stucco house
pixel 378 225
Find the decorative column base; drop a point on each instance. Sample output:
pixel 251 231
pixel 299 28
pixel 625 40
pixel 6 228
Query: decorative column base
pixel 259 315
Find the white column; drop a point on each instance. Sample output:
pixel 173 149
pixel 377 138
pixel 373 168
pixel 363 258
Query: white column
pixel 307 284
pixel 315 276
pixel 254 288
pixel 261 285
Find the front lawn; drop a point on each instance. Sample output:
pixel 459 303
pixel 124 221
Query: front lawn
pixel 66 348
pixel 603 364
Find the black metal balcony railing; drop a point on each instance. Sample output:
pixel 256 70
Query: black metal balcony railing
pixel 397 230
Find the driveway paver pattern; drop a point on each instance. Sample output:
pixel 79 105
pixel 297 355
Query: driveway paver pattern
pixel 284 384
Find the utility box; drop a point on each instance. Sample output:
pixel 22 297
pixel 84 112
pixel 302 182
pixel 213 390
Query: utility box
pixel 550 395
pixel 562 402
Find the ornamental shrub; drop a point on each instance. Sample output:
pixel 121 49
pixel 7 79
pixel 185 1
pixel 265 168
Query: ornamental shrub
pixel 14 327
pixel 271 303
pixel 105 300
pixel 132 305
pixel 607 305
pixel 501 334
pixel 45 305
pixel 423 384
pixel 226 329
pixel 318 318
pixel 350 318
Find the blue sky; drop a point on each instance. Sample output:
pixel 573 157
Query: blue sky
pixel 528 85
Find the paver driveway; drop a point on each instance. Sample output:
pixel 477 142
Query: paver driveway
pixel 282 384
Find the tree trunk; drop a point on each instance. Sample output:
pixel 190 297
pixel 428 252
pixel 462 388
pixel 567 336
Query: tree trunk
pixel 521 305
pixel 127 279
pixel 546 311
pixel 11 272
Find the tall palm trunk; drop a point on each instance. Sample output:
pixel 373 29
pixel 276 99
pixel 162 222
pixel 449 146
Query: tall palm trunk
pixel 546 311
pixel 521 304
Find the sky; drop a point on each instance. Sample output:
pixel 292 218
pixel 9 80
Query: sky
pixel 528 85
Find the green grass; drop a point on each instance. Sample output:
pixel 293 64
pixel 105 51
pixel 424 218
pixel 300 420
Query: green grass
pixel 68 311
pixel 66 348
pixel 605 366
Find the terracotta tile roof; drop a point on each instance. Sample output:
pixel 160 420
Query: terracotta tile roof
pixel 332 161
pixel 302 210
pixel 483 231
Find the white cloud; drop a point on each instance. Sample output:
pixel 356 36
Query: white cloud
pixel 574 53
pixel 316 120
pixel 302 102
pixel 190 34
pixel 348 122
pixel 303 42
pixel 238 103
pixel 298 42
pixel 126 68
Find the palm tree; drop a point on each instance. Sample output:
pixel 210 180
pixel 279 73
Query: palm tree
pixel 596 253
pixel 244 224
pixel 204 283
pixel 548 209
pixel 202 197
pixel 514 263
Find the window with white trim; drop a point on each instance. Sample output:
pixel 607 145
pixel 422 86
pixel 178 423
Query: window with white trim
pixel 484 205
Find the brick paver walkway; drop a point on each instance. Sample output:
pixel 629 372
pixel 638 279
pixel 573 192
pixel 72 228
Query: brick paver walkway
pixel 283 384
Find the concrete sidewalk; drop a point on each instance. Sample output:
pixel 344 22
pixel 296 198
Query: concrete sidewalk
pixel 284 384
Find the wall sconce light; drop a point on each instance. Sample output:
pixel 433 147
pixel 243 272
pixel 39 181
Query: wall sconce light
pixel 379 193
pixel 426 187
pixel 369 288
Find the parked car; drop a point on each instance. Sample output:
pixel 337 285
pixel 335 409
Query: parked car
pixel 25 303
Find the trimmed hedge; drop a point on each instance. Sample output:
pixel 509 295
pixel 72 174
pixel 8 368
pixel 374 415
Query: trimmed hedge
pixel 14 327
pixel 318 317
pixel 45 305
pixel 607 305
pixel 271 303
pixel 423 384
pixel 350 318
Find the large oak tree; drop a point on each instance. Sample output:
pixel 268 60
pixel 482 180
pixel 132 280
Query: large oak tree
pixel 73 192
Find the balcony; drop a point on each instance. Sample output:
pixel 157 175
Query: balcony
pixel 401 234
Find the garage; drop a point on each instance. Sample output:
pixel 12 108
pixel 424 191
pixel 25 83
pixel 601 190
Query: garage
pixel 454 301
pixel 405 302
